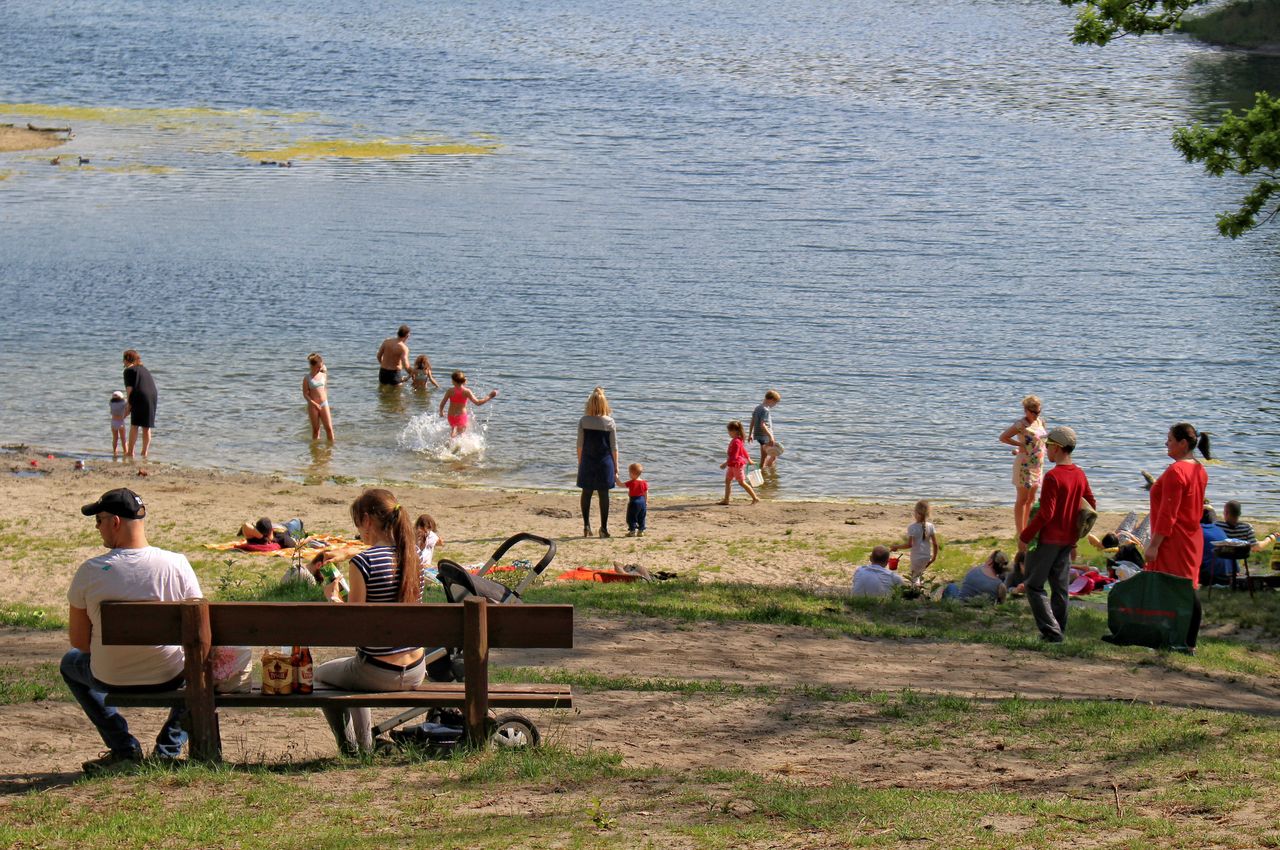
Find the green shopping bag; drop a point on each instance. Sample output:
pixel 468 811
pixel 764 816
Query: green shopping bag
pixel 1151 609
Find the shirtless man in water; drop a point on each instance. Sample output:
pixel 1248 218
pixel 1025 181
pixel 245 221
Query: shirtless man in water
pixel 393 356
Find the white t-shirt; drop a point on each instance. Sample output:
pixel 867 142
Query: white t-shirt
pixel 921 542
pixel 875 580
pixel 132 575
pixel 427 553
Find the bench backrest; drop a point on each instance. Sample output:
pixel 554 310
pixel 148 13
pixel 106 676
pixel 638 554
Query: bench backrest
pixel 327 624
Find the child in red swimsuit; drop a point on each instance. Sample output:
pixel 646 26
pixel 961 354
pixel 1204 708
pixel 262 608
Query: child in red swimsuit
pixel 457 399
pixel 735 464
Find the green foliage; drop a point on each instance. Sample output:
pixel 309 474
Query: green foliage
pixel 1100 21
pixel 1246 144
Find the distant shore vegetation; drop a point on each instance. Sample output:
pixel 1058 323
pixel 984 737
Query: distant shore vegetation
pixel 1251 24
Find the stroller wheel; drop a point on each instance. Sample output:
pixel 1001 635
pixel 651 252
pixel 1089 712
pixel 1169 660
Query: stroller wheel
pixel 514 731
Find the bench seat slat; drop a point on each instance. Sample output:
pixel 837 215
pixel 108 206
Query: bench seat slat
pixel 445 695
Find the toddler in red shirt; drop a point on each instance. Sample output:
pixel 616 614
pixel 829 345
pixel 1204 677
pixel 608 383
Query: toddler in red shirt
pixel 638 504
pixel 735 464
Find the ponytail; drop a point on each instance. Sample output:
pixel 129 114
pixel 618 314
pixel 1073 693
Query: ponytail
pixel 1185 432
pixel 381 506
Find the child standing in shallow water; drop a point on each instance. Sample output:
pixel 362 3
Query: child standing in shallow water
pixel 735 464
pixel 421 373
pixel 118 405
pixel 922 540
pixel 638 503
pixel 457 399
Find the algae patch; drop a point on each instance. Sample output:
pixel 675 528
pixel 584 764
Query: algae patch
pixel 369 149
pixel 129 115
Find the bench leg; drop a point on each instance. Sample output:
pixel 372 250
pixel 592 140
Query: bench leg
pixel 197 643
pixel 475 648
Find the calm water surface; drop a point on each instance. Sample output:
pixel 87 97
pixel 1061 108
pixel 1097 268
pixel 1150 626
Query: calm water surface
pixel 904 217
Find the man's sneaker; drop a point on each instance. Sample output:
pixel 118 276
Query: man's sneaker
pixel 112 762
pixel 640 533
pixel 631 533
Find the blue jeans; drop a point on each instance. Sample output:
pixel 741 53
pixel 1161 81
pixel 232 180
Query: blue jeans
pixel 90 693
pixel 637 510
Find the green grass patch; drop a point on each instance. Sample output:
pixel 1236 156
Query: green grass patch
pixel 268 590
pixel 1008 625
pixel 1260 611
pixel 21 616
pixel 32 683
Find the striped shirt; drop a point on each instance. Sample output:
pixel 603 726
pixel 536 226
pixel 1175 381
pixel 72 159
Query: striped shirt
pixel 377 566
pixel 1238 531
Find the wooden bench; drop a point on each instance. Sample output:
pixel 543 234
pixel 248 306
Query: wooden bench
pixel 198 625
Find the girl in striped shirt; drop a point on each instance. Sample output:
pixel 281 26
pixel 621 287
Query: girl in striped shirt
pixel 388 571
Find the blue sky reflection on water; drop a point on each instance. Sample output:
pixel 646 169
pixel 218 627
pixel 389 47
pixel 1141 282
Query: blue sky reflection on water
pixel 904 221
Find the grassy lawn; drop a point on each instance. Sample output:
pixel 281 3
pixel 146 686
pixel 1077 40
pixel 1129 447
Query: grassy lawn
pixel 1009 625
pixel 1173 788
pixel 1019 772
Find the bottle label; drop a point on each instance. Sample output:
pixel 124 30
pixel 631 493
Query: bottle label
pixel 306 676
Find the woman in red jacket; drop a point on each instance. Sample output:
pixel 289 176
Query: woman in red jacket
pixel 1177 501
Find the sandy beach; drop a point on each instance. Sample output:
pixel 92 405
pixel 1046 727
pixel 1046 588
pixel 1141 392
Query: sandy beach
pixel 774 542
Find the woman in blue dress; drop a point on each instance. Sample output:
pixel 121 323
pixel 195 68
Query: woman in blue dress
pixel 597 459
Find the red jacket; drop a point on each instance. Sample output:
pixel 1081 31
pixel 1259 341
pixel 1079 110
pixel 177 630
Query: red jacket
pixel 738 453
pixel 1064 486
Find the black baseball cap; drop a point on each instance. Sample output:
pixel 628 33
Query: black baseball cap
pixel 123 503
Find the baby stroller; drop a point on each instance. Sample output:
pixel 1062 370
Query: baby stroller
pixel 443 729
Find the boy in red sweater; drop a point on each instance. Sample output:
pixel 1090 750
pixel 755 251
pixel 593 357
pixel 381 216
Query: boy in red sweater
pixel 1060 494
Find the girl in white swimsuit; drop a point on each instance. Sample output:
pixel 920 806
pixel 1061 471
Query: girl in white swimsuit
pixel 315 389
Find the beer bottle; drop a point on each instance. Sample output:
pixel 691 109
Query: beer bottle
pixel 303 670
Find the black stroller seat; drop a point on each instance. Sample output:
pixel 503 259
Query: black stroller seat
pixel 443 728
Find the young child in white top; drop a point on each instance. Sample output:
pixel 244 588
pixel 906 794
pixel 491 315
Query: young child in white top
pixel 922 540
pixel 118 406
pixel 428 539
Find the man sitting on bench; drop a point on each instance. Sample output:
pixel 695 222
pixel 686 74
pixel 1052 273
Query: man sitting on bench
pixel 132 571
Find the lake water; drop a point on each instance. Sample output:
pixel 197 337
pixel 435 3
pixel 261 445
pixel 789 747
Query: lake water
pixel 904 217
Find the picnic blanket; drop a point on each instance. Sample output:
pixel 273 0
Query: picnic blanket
pixel 310 546
pixel 586 574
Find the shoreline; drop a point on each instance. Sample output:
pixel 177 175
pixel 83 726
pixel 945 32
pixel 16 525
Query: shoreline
pixel 99 458
pixel 15 139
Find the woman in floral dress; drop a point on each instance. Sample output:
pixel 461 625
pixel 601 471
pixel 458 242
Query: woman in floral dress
pixel 1027 437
